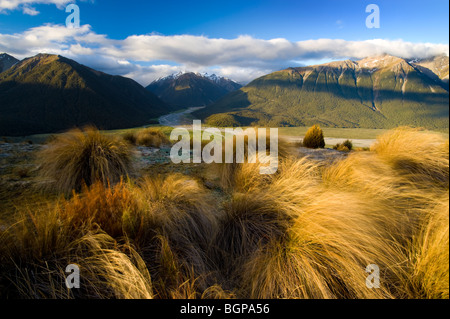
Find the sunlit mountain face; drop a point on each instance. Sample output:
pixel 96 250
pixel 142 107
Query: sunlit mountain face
pixel 376 92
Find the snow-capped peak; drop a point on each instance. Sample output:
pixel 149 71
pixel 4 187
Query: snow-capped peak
pixel 170 77
pixel 212 77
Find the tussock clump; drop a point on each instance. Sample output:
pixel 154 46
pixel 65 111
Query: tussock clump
pixel 37 248
pixel 86 156
pixel 258 216
pixel 308 231
pixel 245 176
pixel 314 138
pixel 151 137
pixel 111 270
pixel 177 220
pixel 178 205
pixel 430 254
pixel 422 156
pixel 249 222
pixel 357 212
pixel 333 237
pixel 130 137
pixel 103 206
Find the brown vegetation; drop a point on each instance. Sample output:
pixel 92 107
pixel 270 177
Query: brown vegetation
pixel 308 231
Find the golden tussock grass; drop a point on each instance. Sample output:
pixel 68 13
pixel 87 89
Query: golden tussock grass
pixel 430 254
pixel 242 176
pixel 308 231
pixel 365 209
pixel 80 157
pixel 179 213
pixel 322 247
pixel 37 248
pixel 147 240
pixel 101 205
pixel 421 155
pixel 249 221
pixel 150 137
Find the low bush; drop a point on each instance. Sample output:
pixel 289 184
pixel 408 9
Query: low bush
pixel 314 138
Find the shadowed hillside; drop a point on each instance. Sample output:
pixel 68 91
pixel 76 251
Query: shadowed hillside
pixel 6 62
pixel 49 93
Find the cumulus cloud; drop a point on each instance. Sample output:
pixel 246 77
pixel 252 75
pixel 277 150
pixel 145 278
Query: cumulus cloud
pixel 25 5
pixel 146 57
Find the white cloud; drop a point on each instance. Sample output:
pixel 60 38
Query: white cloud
pixel 30 11
pixel 243 58
pixel 25 5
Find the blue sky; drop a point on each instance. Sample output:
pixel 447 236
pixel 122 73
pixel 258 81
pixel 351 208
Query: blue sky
pixel 412 22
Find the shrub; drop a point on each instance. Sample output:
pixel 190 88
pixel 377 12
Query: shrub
pixel 346 146
pixel 80 157
pixel 314 138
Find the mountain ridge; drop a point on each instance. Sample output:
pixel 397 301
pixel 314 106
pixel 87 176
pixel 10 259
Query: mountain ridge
pixel 189 89
pixel 50 93
pixel 376 92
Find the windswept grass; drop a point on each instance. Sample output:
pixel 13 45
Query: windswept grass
pixel 36 250
pixel 177 220
pixel 237 176
pixel 365 209
pixel 308 231
pixel 83 157
pixel 101 205
pixel 430 254
pixel 148 240
pixel 422 156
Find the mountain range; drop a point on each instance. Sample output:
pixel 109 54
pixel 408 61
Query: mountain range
pixel 192 89
pixel 376 92
pixel 50 93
